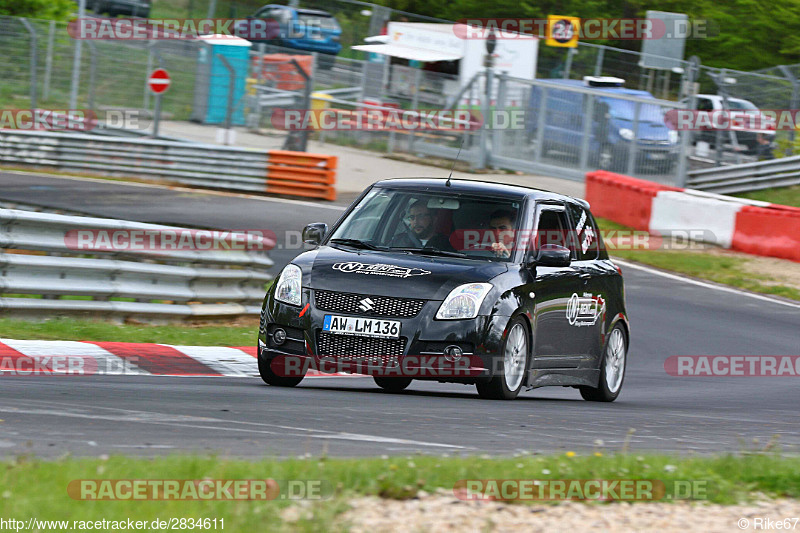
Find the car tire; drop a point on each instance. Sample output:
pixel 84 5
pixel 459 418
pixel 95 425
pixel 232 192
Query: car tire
pixel 509 378
pixel 392 384
pixel 271 378
pixel 612 369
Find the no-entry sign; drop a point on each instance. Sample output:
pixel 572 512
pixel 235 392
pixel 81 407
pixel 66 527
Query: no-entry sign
pixel 159 81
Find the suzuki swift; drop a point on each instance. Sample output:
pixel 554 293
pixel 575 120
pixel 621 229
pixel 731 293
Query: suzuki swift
pixel 499 286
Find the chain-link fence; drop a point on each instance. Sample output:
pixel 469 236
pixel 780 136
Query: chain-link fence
pixel 38 59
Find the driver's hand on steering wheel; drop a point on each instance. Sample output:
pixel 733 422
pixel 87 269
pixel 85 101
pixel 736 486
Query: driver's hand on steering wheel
pixel 500 250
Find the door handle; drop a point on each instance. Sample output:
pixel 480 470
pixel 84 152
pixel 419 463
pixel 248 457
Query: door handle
pixel 585 277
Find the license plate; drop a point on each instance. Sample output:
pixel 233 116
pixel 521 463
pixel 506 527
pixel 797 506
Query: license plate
pixel 657 156
pixel 368 327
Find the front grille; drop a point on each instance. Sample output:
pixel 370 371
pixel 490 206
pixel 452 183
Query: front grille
pixel 355 348
pixel 344 302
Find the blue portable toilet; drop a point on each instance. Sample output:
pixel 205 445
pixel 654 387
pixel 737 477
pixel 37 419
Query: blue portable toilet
pixel 213 79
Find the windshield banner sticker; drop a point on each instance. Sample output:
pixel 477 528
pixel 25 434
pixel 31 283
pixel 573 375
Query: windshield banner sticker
pixel 585 310
pixel 379 269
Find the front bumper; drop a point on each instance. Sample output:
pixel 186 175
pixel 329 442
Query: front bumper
pixel 422 355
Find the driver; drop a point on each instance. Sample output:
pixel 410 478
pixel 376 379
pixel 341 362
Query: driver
pixel 420 232
pixel 501 226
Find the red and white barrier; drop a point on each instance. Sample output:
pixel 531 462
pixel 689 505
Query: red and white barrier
pixel 33 357
pixel 758 228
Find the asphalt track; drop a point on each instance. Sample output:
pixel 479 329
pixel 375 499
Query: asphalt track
pixel 50 416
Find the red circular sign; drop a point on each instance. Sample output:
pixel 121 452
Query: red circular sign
pixel 159 81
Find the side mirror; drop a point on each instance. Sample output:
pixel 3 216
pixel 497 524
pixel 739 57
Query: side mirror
pixel 553 255
pixel 313 233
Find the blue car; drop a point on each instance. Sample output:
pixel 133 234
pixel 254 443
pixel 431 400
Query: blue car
pixel 309 30
pixel 612 128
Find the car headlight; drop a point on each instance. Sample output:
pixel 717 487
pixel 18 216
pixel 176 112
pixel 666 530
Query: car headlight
pixel 626 134
pixel 288 286
pixel 673 136
pixel 464 301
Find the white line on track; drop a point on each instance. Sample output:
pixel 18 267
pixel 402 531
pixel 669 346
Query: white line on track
pixel 699 283
pixel 195 422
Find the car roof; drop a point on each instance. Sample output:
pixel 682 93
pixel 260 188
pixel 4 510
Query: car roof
pixel 302 10
pixel 719 97
pixel 477 187
pixel 614 90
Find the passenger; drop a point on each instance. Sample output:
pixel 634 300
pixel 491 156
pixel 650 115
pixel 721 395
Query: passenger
pixel 420 231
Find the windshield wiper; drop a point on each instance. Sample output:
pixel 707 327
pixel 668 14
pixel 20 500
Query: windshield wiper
pixel 431 251
pixel 355 243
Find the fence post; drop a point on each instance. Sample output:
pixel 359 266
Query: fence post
pixel 598 64
pixel 262 50
pixel 540 125
pixel 632 147
pixel 76 61
pixel 299 141
pixel 497 133
pixel 568 66
pixel 231 89
pixel 692 70
pixel 415 106
pixel 483 152
pixel 146 101
pixel 793 103
pixel 588 120
pixel 48 62
pixel 92 71
pixel 33 54
pixel 157 110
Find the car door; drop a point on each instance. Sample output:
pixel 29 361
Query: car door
pixel 556 343
pixel 586 313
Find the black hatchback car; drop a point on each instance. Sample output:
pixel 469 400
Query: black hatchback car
pixel 500 286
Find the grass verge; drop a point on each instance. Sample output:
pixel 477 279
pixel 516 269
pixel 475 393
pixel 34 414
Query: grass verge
pixel 716 266
pixel 777 195
pixel 236 332
pixel 33 488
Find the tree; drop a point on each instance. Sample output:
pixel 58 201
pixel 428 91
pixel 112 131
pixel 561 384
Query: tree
pixel 38 9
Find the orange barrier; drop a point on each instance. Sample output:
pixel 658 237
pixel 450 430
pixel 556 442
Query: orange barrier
pixel 623 199
pixel 279 69
pixel 301 174
pixel 770 231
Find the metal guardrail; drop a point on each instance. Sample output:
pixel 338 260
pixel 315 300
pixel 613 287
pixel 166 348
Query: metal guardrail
pixel 198 283
pixel 783 172
pixel 191 164
pixel 200 165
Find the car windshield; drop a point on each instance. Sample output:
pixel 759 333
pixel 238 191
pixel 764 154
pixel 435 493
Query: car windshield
pixel 741 104
pixel 626 110
pixel 437 224
pixel 317 20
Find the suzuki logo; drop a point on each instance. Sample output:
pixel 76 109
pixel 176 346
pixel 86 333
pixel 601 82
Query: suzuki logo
pixel 366 304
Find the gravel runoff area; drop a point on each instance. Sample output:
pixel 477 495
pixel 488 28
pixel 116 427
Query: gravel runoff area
pixel 442 513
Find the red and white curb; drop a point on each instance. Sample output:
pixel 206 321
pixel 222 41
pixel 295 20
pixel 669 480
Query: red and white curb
pixel 34 357
pixel 749 226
